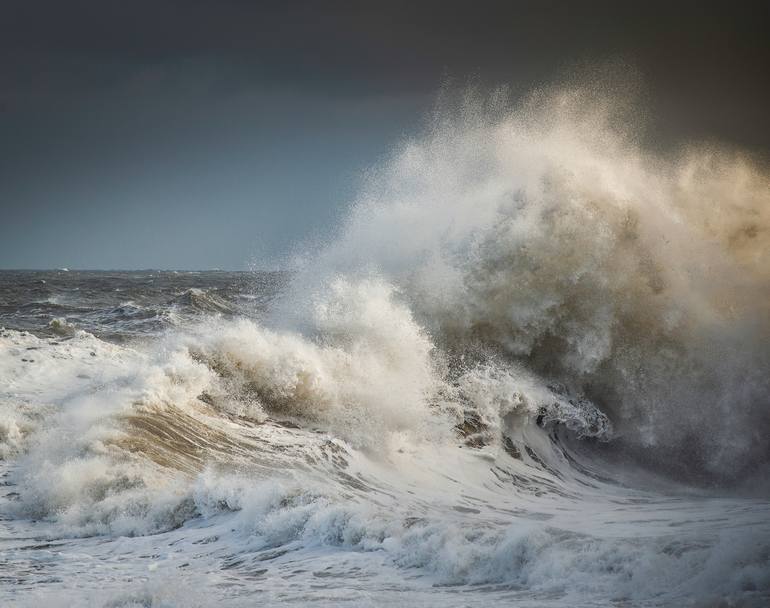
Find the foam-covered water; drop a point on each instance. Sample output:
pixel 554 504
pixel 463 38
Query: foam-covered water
pixel 531 367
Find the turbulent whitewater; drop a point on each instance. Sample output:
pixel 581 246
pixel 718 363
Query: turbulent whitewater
pixel 530 367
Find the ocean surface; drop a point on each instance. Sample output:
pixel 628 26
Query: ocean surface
pixel 529 368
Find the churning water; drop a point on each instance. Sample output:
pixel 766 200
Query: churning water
pixel 531 368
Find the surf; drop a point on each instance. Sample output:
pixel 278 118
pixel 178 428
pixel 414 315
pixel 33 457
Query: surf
pixel 531 360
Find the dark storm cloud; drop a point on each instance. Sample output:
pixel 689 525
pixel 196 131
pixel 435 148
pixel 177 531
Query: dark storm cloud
pixel 400 42
pixel 151 125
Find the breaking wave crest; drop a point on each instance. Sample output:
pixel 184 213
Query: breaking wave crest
pixel 546 234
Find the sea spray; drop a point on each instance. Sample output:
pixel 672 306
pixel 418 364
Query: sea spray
pixel 544 230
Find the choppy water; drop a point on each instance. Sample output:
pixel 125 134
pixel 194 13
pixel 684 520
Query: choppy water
pixel 530 369
pixel 118 306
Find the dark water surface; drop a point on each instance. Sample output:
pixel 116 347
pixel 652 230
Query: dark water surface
pixel 116 305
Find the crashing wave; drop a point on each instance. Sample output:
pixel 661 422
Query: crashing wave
pixel 518 281
pixel 547 233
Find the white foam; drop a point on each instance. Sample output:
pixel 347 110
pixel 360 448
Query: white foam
pixel 547 231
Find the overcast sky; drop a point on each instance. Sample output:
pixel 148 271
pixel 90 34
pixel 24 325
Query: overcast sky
pixel 214 134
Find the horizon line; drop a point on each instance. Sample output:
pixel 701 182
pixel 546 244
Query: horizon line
pixel 67 269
